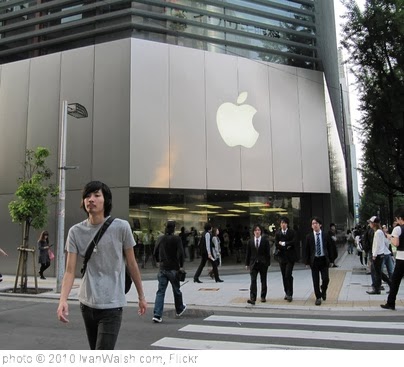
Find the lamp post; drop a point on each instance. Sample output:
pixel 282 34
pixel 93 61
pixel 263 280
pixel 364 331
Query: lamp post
pixel 78 111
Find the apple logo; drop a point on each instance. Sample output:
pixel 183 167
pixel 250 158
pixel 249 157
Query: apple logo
pixel 235 123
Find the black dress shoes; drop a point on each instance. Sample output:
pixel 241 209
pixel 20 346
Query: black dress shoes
pixel 251 302
pixel 388 307
pixel 263 300
pixel 219 281
pixel 318 302
pixel 324 296
pixel 197 281
pixel 373 292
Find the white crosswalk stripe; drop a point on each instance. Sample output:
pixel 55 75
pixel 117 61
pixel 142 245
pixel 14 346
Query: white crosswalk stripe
pixel 316 330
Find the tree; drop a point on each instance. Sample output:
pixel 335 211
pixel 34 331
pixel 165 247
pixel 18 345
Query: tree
pixel 374 39
pixel 31 206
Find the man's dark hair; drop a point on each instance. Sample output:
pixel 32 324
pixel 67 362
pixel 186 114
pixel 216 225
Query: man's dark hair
pixel 285 219
pixel 94 186
pixel 317 219
pixel 255 226
pixel 170 227
pixel 207 227
pixel 399 213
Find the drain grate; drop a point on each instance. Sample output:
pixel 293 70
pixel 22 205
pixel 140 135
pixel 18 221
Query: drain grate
pixel 208 289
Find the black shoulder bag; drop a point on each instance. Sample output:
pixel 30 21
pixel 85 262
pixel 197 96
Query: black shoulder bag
pixel 90 250
pixel 94 243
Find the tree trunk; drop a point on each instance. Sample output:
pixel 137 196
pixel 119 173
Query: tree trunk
pixel 24 273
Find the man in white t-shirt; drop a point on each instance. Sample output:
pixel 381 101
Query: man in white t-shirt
pixel 397 240
pixel 102 290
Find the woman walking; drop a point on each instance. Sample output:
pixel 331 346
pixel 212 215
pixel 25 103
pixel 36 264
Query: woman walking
pixel 43 247
pixel 216 250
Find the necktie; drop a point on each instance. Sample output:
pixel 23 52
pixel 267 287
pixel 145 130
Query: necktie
pixel 256 243
pixel 318 245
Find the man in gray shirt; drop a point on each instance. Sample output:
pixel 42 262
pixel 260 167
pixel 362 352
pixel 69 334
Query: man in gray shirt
pixel 102 290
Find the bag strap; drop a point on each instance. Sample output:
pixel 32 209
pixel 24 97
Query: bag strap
pixel 94 243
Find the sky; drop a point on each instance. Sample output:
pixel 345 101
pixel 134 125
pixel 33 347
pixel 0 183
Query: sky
pixel 353 100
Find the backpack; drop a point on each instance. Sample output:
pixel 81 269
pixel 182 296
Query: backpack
pixel 367 239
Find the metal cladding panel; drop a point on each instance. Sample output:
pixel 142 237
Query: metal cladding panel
pixel 286 144
pixel 77 85
pixel 149 115
pixel 13 122
pixel 187 118
pixel 223 161
pixel 256 162
pixel 44 107
pixel 111 126
pixel 313 128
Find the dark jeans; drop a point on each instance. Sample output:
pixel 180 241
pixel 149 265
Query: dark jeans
pixel 214 264
pixel 287 278
pixel 164 277
pixel 44 266
pixel 102 326
pixel 320 267
pixel 378 274
pixel 262 270
pixel 398 274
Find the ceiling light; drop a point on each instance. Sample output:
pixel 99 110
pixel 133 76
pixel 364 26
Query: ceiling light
pixel 202 212
pixel 168 207
pixel 250 205
pixel 237 211
pixel 272 210
pixel 208 206
pixel 227 215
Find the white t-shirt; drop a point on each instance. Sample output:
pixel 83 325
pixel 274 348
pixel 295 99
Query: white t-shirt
pixel 378 243
pixel 103 284
pixel 396 234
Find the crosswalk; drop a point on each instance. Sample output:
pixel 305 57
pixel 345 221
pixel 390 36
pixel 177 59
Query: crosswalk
pixel 227 332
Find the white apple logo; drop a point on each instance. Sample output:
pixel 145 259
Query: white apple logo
pixel 235 123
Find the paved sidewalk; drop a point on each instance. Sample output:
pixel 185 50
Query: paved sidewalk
pixel 347 290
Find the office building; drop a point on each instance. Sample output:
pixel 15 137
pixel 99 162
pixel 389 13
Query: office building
pixel 224 111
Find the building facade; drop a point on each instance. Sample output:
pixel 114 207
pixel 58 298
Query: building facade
pixel 221 111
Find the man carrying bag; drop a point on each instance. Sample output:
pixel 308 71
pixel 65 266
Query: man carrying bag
pixel 169 252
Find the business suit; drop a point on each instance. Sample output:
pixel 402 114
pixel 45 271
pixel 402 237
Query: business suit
pixel 258 260
pixel 319 264
pixel 285 241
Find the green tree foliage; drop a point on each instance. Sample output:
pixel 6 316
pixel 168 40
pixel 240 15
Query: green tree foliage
pixel 374 39
pixel 31 205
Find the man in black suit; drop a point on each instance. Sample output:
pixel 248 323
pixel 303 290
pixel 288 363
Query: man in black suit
pixel 257 261
pixel 285 240
pixel 318 249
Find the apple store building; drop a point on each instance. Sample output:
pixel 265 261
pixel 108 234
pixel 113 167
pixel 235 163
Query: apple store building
pixel 177 133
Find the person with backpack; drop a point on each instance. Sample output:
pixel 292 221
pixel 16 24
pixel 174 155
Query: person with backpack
pixel 102 289
pixel 350 241
pixel 206 252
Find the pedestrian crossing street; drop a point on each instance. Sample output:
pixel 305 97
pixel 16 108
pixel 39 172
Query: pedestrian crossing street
pixel 220 332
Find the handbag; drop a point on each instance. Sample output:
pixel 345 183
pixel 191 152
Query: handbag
pixel 181 275
pixel 90 250
pixel 51 254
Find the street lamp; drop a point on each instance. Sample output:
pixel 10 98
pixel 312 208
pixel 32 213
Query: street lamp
pixel 78 111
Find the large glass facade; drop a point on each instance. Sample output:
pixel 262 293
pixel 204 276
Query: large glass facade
pixel 229 210
pixel 274 31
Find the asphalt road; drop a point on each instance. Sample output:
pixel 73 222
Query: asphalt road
pixel 28 324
